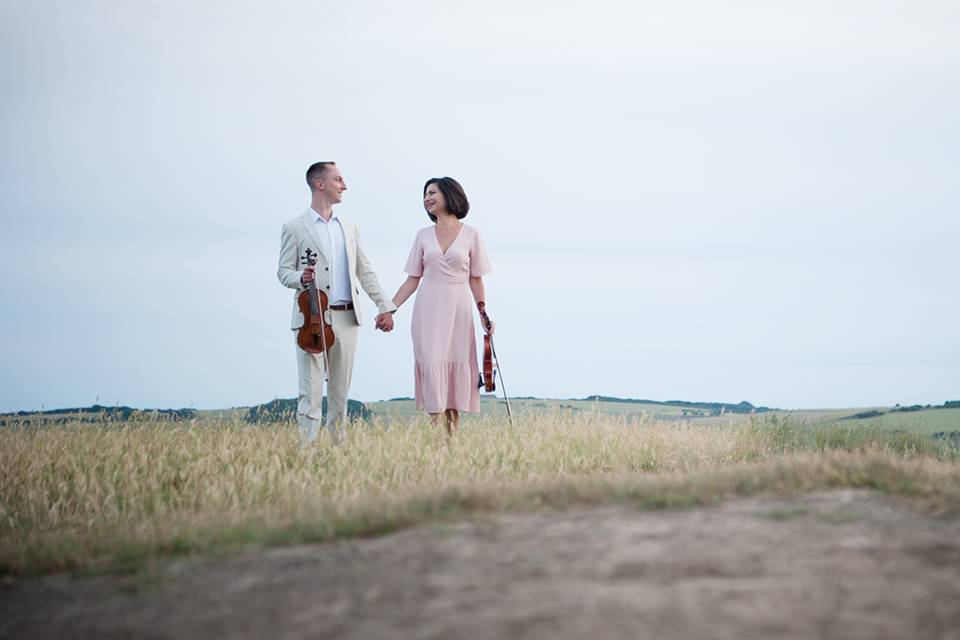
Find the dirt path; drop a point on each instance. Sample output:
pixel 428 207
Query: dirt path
pixel 843 564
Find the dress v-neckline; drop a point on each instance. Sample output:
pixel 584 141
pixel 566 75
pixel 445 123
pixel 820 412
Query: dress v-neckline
pixel 437 238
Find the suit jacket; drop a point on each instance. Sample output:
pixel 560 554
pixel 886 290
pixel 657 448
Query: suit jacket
pixel 300 234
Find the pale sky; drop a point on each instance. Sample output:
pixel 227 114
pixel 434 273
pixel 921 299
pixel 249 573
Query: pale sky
pixel 749 200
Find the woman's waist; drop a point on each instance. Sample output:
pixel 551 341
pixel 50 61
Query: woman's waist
pixel 443 282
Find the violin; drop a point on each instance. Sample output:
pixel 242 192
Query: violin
pixel 489 382
pixel 316 334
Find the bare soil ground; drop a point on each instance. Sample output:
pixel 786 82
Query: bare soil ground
pixel 842 564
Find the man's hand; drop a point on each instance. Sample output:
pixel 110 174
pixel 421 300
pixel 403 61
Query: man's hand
pixel 385 322
pixel 307 276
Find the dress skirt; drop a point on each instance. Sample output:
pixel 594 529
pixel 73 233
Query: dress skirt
pixel 445 348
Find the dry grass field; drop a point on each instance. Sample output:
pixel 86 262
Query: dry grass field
pixel 114 496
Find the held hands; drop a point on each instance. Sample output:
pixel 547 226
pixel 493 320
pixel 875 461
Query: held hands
pixel 385 322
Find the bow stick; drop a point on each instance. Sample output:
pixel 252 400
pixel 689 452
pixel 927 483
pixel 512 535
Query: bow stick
pixel 503 387
pixel 493 350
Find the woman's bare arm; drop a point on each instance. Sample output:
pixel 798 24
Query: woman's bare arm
pixel 406 290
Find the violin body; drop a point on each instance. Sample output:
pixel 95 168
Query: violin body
pixel 316 334
pixel 489 382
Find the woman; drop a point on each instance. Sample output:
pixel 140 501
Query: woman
pixel 449 260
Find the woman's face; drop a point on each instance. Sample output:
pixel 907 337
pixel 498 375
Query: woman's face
pixel 433 200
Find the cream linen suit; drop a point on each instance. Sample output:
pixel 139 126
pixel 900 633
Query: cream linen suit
pixel 297 236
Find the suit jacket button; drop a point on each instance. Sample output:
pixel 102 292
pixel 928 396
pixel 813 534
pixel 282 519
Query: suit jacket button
pixel 326 268
pixel 328 286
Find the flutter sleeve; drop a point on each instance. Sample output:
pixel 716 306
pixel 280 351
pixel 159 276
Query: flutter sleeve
pixel 415 261
pixel 479 263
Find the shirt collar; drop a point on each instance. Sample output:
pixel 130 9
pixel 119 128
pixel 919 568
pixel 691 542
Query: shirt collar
pixel 317 218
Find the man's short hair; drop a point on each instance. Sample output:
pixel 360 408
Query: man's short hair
pixel 453 194
pixel 316 170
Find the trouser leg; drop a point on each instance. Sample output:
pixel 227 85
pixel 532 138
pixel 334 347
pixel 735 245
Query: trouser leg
pixel 310 396
pixel 341 356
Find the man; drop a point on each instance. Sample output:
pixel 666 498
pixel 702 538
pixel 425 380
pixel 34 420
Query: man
pixel 341 269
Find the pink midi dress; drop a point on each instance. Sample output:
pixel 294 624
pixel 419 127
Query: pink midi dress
pixel 444 339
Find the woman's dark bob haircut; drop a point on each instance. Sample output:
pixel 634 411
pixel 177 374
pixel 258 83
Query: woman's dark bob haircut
pixel 453 194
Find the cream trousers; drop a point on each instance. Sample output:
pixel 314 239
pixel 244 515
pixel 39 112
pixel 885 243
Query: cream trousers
pixel 310 369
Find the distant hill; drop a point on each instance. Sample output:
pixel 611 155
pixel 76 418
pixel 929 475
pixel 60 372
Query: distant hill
pixel 283 409
pixel 99 413
pixel 714 407
pixel 273 411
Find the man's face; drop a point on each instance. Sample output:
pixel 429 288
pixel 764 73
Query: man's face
pixel 332 184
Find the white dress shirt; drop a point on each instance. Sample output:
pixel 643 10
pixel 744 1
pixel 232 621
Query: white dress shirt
pixel 335 248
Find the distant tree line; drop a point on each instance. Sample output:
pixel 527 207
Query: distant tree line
pixel 99 412
pixel 714 407
pixel 274 411
pixel 949 404
pixel 875 413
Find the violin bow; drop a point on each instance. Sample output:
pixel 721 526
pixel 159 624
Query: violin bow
pixel 503 387
pixel 493 351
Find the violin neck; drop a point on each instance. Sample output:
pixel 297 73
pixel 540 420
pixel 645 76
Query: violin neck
pixel 314 299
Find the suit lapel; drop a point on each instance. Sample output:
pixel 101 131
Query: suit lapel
pixel 311 228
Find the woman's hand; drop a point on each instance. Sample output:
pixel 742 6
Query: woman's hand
pixel 488 324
